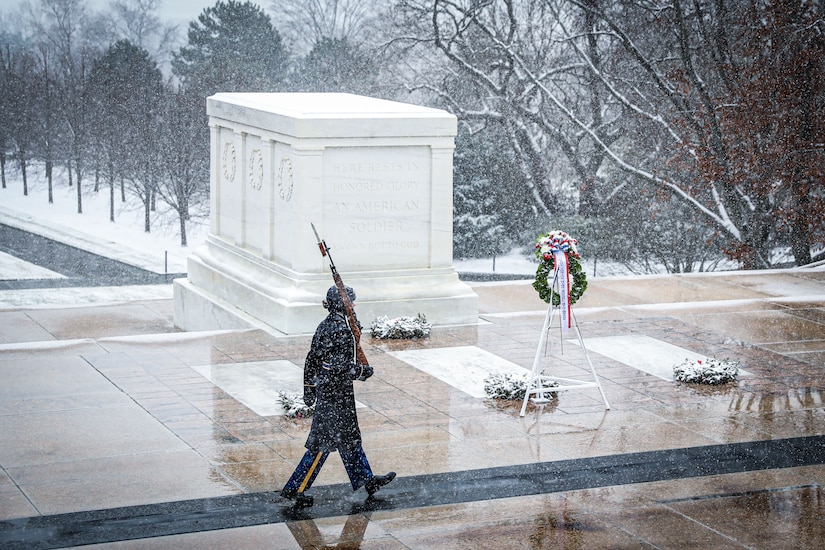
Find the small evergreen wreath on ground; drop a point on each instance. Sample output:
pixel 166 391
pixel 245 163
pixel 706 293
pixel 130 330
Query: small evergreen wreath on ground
pixel 401 327
pixel 545 246
pixel 294 406
pixel 710 371
pixel 506 386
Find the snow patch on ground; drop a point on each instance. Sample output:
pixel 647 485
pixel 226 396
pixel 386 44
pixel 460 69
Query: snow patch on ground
pixel 15 269
pixel 642 352
pixel 45 345
pixel 256 384
pixel 38 298
pixel 464 368
pixel 171 337
pixel 124 240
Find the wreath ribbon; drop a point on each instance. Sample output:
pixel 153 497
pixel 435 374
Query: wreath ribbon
pixel 561 273
pixel 559 261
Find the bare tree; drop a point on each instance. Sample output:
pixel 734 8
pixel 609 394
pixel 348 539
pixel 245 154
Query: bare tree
pixel 19 67
pixel 128 90
pixel 138 22
pixel 184 141
pixel 307 22
pixel 686 76
pixel 778 132
pixel 507 65
pixel 50 118
pixel 61 26
pixel 630 93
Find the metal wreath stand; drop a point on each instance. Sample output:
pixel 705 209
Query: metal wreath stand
pixel 538 383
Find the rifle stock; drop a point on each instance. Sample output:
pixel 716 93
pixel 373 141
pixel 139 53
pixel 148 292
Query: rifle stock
pixel 360 357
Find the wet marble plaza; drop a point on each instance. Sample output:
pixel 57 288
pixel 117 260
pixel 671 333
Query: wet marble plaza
pixel 120 432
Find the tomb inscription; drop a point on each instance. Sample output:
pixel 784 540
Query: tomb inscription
pixel 377 199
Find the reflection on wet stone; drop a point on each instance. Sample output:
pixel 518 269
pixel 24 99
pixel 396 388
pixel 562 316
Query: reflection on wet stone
pixel 793 514
pixel 309 536
pixel 558 530
pixel 748 479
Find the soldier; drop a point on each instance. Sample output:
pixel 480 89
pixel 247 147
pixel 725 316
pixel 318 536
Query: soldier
pixel 329 371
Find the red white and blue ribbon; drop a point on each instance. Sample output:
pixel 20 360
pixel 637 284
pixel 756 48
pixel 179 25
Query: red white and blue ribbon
pixel 558 244
pixel 561 273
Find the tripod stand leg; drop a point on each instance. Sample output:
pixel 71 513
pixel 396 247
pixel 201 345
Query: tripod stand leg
pixel 534 383
pixel 589 362
pixel 535 373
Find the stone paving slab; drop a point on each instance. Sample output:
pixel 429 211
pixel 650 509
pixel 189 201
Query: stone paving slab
pixel 93 395
pixel 475 487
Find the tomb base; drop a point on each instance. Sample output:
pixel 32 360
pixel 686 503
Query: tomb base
pixel 227 288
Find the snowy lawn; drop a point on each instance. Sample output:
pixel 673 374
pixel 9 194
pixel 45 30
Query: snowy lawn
pixel 123 239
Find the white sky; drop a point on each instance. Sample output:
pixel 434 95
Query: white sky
pixel 174 11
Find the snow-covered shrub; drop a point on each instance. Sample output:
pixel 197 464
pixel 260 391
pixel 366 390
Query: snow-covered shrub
pixel 506 386
pixel 294 406
pixel 401 327
pixel 706 371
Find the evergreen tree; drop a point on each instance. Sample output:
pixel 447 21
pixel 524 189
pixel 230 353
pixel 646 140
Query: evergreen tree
pixel 337 65
pixel 232 47
pixel 491 213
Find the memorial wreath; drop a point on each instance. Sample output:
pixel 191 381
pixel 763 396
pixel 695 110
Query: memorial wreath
pixel 708 371
pixel 294 406
pixel 546 245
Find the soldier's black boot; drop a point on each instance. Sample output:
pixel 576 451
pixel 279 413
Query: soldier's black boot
pixel 377 482
pixel 301 500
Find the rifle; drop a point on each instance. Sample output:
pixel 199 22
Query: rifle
pixel 360 358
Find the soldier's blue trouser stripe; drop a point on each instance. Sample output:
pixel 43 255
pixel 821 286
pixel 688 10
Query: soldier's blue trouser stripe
pixel 355 463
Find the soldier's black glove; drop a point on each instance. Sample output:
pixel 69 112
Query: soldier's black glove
pixel 309 395
pixel 360 372
pixel 366 372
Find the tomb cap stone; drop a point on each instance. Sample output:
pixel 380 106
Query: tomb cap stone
pixel 331 115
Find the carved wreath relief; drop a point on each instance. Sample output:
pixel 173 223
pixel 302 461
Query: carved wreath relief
pixel 285 179
pixel 256 169
pixel 229 161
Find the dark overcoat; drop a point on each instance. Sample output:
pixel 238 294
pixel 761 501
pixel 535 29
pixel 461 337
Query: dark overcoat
pixel 328 383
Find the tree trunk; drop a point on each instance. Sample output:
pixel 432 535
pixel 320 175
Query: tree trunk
pixel 3 169
pixel 755 240
pixel 25 178
pixel 800 228
pixel 79 199
pixel 49 180
pixel 182 218
pixel 147 204
pixel 79 195
pixel 799 242
pixel 111 199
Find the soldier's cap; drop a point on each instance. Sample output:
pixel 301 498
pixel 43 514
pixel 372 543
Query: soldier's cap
pixel 334 300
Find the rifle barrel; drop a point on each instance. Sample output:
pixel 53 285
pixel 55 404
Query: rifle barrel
pixel 360 356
